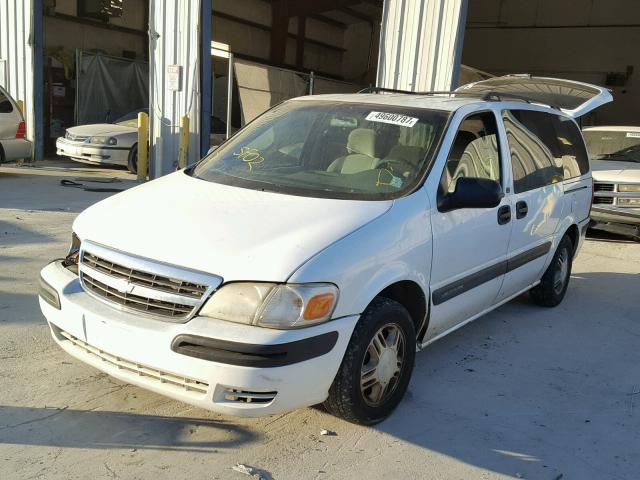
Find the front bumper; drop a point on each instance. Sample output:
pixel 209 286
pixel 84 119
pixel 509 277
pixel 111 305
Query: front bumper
pixel 627 216
pixel 140 350
pixel 92 153
pixel 15 149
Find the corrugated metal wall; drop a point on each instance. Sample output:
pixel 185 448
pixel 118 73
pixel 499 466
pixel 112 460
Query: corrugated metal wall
pixel 174 29
pixel 20 43
pixel 421 44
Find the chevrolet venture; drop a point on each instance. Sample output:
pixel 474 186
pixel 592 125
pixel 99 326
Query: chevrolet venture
pixel 308 258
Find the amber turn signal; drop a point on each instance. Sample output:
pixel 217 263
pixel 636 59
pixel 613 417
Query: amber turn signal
pixel 319 306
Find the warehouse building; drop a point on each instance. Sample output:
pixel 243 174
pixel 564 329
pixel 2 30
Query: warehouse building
pixel 222 62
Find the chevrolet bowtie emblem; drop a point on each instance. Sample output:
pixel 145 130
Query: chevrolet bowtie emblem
pixel 123 286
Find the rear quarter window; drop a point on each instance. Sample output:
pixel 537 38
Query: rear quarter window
pixel 545 149
pixel 5 104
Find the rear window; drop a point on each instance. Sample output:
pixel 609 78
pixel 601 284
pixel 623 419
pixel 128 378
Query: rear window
pixel 5 104
pixel 545 149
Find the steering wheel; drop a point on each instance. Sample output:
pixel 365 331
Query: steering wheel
pixel 399 167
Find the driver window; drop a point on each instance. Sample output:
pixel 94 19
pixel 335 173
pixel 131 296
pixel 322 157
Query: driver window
pixel 474 153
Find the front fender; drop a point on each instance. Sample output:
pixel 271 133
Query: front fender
pixel 394 247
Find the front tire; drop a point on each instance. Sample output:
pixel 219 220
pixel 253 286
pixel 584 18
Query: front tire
pixel 132 163
pixel 377 365
pixel 553 285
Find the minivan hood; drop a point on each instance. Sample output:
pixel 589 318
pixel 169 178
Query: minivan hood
pixel 236 233
pixel 615 171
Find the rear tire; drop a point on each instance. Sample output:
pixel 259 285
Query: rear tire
pixel 553 285
pixel 377 365
pixel 132 163
pixel 1 155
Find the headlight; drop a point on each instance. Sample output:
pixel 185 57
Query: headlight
pixel 272 305
pixel 629 188
pixel 629 201
pixel 49 294
pixel 71 260
pixel 103 140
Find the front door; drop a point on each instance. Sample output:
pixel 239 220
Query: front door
pixel 469 244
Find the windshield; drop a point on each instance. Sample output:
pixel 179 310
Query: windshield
pixel 131 118
pixel 329 149
pixel 620 145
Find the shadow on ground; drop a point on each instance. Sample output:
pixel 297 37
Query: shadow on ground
pixel 535 392
pixel 107 430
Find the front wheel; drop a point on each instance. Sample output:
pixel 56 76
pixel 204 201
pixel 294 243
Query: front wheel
pixel 553 285
pixel 132 163
pixel 377 365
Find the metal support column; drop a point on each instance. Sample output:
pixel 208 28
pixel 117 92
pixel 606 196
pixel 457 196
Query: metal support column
pixel 175 87
pixel 205 77
pixel 421 44
pixel 230 95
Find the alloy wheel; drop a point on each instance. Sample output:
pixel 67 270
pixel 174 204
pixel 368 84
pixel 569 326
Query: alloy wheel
pixel 382 364
pixel 561 272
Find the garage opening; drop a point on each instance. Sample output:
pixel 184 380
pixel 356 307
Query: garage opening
pixel 96 63
pixel 593 41
pixel 279 49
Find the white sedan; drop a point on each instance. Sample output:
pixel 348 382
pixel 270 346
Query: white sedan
pixel 615 163
pixel 103 143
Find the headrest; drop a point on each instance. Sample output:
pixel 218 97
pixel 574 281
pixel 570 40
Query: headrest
pixel 363 141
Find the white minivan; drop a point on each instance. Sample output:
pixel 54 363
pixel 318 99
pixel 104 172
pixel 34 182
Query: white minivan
pixel 308 258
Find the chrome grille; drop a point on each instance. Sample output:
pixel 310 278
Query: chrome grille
pixel 150 280
pixel 76 138
pixel 136 302
pixel 603 187
pixel 142 285
pixel 603 200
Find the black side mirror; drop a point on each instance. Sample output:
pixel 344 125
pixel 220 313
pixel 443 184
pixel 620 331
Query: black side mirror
pixel 471 193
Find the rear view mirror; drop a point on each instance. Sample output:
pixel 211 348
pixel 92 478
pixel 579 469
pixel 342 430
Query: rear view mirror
pixel 471 193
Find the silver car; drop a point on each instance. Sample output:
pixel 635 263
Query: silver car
pixel 103 143
pixel 13 144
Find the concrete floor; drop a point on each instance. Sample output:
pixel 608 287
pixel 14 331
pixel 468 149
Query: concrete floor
pixel 523 392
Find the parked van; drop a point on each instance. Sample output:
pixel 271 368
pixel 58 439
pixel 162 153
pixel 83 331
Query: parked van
pixel 308 258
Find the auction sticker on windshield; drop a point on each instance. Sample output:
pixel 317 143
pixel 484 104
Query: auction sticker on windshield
pixel 392 118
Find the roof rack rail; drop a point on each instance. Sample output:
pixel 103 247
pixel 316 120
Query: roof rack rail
pixel 490 96
pixel 408 92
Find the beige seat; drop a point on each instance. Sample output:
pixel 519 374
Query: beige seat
pixel 361 147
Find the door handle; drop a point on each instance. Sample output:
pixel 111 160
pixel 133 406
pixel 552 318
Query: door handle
pixel 504 214
pixel 521 209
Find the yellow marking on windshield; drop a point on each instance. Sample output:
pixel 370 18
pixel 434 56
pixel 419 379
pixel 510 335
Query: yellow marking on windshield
pixel 395 182
pixel 251 156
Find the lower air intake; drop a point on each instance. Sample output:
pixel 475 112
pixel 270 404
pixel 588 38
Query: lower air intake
pixel 245 396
